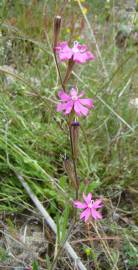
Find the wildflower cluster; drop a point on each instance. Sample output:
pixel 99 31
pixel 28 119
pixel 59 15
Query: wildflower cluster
pixel 73 104
pixel 72 101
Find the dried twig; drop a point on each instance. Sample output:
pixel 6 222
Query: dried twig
pixel 95 239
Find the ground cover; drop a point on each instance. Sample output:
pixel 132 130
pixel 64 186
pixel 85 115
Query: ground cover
pixel 34 140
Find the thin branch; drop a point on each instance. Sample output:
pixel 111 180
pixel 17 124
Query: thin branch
pixel 58 69
pixel 74 164
pixel 96 239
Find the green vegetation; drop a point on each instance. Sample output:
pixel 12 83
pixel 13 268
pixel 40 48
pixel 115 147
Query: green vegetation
pixel 33 137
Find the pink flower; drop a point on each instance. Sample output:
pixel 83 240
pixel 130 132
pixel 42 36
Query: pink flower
pixel 73 101
pixel 78 53
pixel 89 207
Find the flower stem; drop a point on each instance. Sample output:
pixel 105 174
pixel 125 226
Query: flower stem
pixel 68 71
pixel 71 142
pixel 74 163
pixel 58 69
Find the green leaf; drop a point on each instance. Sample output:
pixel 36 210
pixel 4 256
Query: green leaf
pixel 35 265
pixel 90 187
pixel 58 228
pixel 65 219
pixel 48 262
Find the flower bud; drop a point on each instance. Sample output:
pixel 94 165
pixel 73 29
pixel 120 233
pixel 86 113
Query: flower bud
pixel 75 126
pixel 68 166
pixel 57 25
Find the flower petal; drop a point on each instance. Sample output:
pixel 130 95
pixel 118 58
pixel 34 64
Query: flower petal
pixel 63 96
pixel 61 107
pixel 73 92
pixel 82 57
pixel 82 48
pixel 79 57
pixel 65 55
pixel 87 102
pixel 69 106
pixel 81 95
pixel 87 198
pixel 63 51
pixel 89 56
pixel 77 108
pixel 61 45
pixel 97 204
pixel 80 109
pixel 95 214
pixel 85 214
pixel 80 205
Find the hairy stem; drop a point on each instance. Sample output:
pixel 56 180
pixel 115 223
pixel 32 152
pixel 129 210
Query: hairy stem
pixel 74 164
pixel 71 144
pixel 58 69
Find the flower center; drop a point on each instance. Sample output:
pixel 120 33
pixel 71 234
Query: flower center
pixel 74 97
pixel 90 204
pixel 75 47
